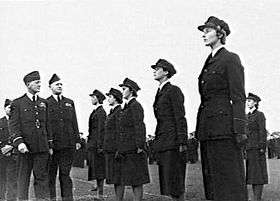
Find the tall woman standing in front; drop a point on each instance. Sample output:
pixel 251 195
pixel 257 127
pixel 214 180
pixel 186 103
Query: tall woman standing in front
pixel 221 117
pixel 256 169
pixel 131 144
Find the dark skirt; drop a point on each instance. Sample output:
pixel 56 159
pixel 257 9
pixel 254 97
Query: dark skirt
pixel 112 169
pixel 96 165
pixel 172 172
pixel 256 169
pixel 223 171
pixel 134 169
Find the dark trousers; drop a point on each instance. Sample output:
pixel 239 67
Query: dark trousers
pixel 38 163
pixel 61 160
pixel 223 171
pixel 172 171
pixel 8 178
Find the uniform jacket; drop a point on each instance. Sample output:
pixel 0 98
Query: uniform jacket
pixel 112 130
pixel 221 114
pixel 4 134
pixel 256 131
pixel 96 128
pixel 29 124
pixel 169 110
pixel 132 128
pixel 63 122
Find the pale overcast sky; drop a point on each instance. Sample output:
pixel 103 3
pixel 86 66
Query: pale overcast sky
pixel 96 44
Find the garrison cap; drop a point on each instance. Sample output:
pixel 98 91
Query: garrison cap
pixel 98 94
pixel 34 75
pixel 53 79
pixel 167 66
pixel 131 84
pixel 216 23
pixel 254 97
pixel 116 93
pixel 7 102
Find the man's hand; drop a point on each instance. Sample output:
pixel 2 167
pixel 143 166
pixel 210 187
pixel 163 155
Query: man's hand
pixel 139 150
pixel 6 149
pixel 22 148
pixel 78 146
pixel 241 139
pixel 51 151
pixel 182 148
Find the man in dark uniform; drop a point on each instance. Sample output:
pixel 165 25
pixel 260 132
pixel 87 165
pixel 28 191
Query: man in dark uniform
pixel 96 169
pixel 221 117
pixel 8 168
pixel 30 129
pixel 192 151
pixel 171 132
pixel 66 139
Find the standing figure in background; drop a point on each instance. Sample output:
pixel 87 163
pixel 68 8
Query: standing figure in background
pixel 66 140
pixel 192 149
pixel 8 164
pixel 221 117
pixel 111 138
pixel 96 169
pixel 171 132
pixel 131 151
pixel 30 129
pixel 256 168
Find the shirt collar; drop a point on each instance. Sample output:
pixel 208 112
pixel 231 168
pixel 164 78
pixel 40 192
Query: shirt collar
pixel 216 50
pixel 251 110
pixel 96 106
pixel 162 84
pixel 7 117
pixel 55 96
pixel 30 96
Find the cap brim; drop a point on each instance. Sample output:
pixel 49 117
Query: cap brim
pixel 154 66
pixel 202 27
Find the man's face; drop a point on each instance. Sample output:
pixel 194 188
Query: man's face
pixel 210 36
pixel 94 100
pixel 56 88
pixel 250 103
pixel 159 73
pixel 8 110
pixel 126 92
pixel 34 86
pixel 111 100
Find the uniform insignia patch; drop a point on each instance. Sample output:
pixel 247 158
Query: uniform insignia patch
pixel 42 105
pixel 68 105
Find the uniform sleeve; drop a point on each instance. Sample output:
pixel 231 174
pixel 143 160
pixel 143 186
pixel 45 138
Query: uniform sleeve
pixel 139 126
pixel 177 102
pixel 75 125
pixel 49 129
pixel 235 74
pixel 262 131
pixel 101 129
pixel 14 125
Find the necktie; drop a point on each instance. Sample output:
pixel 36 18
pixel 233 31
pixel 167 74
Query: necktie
pixel 58 98
pixel 33 98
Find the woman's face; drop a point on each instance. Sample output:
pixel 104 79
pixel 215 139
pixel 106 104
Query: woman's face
pixel 94 100
pixel 250 103
pixel 126 92
pixel 210 36
pixel 111 99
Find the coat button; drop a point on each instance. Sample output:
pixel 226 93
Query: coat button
pixel 205 70
pixel 202 81
pixel 37 113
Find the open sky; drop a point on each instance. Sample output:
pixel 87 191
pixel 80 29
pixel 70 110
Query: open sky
pixel 96 44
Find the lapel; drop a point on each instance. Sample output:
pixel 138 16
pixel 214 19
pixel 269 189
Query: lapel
pixel 161 92
pixel 28 101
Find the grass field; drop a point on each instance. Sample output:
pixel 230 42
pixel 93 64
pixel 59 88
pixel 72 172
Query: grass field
pixel 194 186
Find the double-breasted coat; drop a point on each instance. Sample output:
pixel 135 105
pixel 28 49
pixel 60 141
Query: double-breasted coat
pixel 171 132
pixel 29 124
pixel 134 166
pixel 256 168
pixel 110 146
pixel 220 119
pixel 95 142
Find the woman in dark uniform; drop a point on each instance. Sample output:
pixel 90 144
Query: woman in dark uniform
pixel 256 169
pixel 111 137
pixel 131 144
pixel 221 117
pixel 96 169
